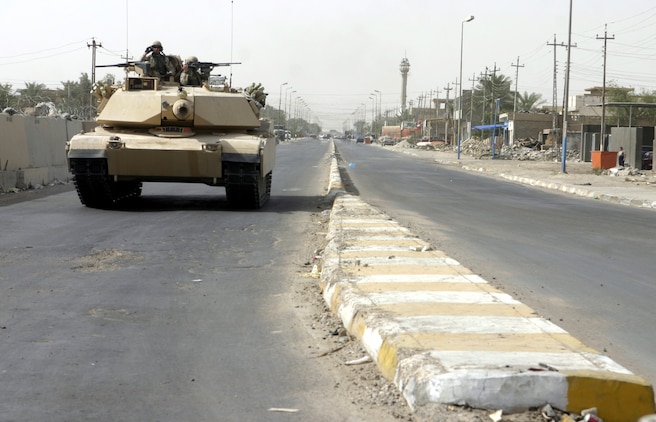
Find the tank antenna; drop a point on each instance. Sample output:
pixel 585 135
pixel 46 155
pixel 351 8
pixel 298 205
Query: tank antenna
pixel 232 32
pixel 127 33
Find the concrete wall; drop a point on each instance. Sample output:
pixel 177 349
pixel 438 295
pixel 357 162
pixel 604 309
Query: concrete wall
pixel 32 149
pixel 526 125
pixel 632 139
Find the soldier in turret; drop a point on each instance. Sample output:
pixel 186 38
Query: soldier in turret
pixel 190 73
pixel 160 65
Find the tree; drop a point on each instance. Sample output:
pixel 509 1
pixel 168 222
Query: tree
pixel 647 113
pixel 32 94
pixel 7 97
pixel 75 98
pixel 485 95
pixel 622 115
pixel 529 102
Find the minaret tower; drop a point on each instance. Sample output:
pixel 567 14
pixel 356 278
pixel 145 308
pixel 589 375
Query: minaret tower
pixel 405 68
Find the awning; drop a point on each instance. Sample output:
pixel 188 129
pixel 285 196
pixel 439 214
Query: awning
pixel 503 125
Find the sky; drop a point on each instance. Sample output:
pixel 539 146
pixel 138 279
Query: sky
pixel 338 60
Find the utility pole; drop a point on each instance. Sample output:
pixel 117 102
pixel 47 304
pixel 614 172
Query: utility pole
pixel 495 70
pixel 437 109
pixel 603 90
pixel 446 112
pixel 93 46
pixel 554 98
pixel 554 104
pixel 471 103
pixel 516 66
pixel 493 75
pixel 484 78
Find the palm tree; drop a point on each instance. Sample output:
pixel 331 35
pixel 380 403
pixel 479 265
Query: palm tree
pixel 529 102
pixel 486 93
pixel 33 93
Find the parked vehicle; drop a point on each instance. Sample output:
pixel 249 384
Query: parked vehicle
pixel 647 160
pixel 386 140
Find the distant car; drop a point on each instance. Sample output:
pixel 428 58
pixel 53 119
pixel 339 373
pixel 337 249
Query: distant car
pixel 359 141
pixel 647 160
pixel 386 140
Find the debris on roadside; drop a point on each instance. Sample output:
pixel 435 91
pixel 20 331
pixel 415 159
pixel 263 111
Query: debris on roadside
pixel 626 172
pixel 359 361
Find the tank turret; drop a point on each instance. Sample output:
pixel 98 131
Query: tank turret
pixel 155 130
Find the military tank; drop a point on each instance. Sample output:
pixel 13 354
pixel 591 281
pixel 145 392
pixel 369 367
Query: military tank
pixel 156 130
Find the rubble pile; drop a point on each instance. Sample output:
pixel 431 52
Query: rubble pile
pixel 527 149
pixel 404 143
pixel 630 174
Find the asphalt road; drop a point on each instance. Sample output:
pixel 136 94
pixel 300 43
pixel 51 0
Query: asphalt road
pixel 176 309
pixel 587 266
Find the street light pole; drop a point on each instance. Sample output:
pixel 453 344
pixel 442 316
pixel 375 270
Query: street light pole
pixel 285 106
pixel 373 109
pixel 280 103
pixel 462 30
pixel 380 97
pixel 290 105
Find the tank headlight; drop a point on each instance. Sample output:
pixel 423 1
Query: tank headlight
pixel 115 143
pixel 182 109
pixel 211 147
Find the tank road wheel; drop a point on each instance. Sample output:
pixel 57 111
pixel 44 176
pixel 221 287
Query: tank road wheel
pixel 96 189
pixel 247 189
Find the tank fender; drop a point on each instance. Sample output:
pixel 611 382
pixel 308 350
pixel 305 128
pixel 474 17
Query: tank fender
pixel 268 155
pixel 239 151
pixel 88 145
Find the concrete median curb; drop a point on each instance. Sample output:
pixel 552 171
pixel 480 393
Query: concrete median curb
pixel 589 193
pixel 445 335
pixel 642 198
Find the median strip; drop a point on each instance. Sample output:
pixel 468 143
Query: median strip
pixel 445 335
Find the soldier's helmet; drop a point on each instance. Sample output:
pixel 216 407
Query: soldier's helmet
pixel 157 44
pixel 191 59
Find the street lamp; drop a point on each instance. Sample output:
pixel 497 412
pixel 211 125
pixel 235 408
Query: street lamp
pixel 280 103
pixel 380 96
pixel 285 105
pixel 373 109
pixel 288 110
pixel 375 102
pixel 565 108
pixel 462 29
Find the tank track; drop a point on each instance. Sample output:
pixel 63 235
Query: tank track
pixel 96 189
pixel 245 188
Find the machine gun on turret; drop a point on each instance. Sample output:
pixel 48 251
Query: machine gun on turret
pixel 139 67
pixel 204 68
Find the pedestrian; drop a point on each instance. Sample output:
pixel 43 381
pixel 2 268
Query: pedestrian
pixel 620 157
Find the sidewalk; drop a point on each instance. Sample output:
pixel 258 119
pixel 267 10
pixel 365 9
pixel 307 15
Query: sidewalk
pixel 445 335
pixel 580 179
